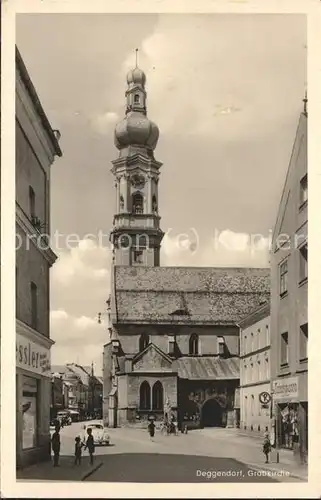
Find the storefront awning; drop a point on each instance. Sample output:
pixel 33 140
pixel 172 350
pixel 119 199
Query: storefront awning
pixel 208 368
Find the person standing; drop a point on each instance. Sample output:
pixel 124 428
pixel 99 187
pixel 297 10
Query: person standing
pixel 55 444
pixel 151 429
pixel 266 445
pixel 78 449
pixel 90 445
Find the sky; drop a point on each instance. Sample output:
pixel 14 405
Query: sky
pixel 226 92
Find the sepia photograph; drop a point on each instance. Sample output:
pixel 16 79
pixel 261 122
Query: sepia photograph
pixel 161 269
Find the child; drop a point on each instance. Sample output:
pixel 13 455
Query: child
pixel 90 445
pixel 78 447
pixel 266 445
pixel 55 444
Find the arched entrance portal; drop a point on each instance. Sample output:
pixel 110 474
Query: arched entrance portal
pixel 212 414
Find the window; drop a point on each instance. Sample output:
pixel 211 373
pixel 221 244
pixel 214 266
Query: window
pixel 137 256
pixel 32 203
pixel 34 305
pixel 252 405
pixel 304 190
pixel 154 204
pixel 252 341
pixel 29 412
pixel 144 396
pixel 245 344
pixel 245 374
pixel 136 98
pixel 220 346
pixel 284 348
pixel 303 263
pixel 267 369
pixel 143 342
pixel 193 344
pixel 284 277
pixel 157 396
pixel 304 342
pixel 267 335
pixel 138 203
pixel 121 203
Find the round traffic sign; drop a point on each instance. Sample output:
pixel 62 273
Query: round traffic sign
pixel 264 398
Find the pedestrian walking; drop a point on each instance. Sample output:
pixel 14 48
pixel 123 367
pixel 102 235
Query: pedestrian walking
pixel 55 445
pixel 90 445
pixel 78 450
pixel 151 429
pixel 266 445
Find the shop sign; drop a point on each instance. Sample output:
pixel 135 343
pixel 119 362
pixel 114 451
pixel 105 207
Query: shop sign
pixel 287 389
pixel 32 357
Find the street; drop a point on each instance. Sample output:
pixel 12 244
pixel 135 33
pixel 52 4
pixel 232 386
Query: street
pixel 216 454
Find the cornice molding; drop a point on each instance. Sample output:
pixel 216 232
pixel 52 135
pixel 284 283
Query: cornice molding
pixel 25 224
pixel 33 335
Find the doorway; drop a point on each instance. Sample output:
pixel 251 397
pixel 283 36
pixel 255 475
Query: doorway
pixel 212 414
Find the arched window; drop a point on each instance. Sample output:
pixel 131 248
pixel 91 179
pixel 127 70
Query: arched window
pixel 143 342
pixel 144 396
pixel 193 344
pixel 154 204
pixel 136 98
pixel 121 202
pixel 138 203
pixel 157 396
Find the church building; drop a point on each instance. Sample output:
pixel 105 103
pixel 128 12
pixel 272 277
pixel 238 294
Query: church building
pixel 174 334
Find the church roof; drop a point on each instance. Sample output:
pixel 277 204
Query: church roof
pixel 187 295
pixel 208 368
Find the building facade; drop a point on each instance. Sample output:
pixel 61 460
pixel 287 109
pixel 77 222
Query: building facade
pixel 36 148
pixel 173 338
pixel 289 306
pixel 84 388
pixel 255 370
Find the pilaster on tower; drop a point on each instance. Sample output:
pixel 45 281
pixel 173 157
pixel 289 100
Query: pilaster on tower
pixel 136 234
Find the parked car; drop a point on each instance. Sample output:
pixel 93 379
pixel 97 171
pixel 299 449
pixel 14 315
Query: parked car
pixel 99 433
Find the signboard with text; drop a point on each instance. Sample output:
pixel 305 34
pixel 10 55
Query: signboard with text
pixel 32 357
pixel 286 389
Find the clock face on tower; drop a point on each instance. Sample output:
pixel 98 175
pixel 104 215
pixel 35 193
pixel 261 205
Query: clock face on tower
pixel 138 181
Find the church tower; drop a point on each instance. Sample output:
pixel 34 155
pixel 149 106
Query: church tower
pixel 136 235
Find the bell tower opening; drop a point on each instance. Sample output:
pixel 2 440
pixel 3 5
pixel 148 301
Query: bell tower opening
pixel 136 174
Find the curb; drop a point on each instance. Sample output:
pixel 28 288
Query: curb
pixel 85 476
pixel 273 469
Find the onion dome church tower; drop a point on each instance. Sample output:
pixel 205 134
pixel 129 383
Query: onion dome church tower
pixel 136 235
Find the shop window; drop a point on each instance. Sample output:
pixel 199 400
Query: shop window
pixel 283 278
pixel 157 396
pixel 304 190
pixel 143 342
pixel 29 412
pixel 193 344
pixel 34 305
pixel 144 396
pixel 138 203
pixel 304 342
pixel 284 348
pixel 303 263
